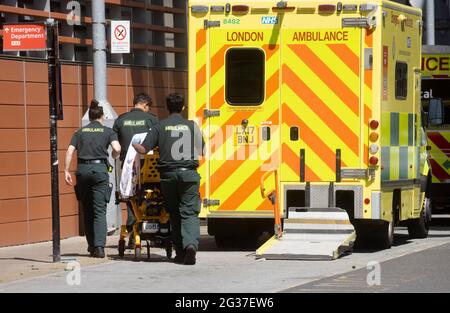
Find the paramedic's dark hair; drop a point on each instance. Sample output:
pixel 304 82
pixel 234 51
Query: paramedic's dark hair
pixel 142 98
pixel 175 103
pixel 95 111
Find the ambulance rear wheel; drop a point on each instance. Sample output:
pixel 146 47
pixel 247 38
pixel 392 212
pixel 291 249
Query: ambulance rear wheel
pixel 418 228
pixel 121 248
pixel 385 235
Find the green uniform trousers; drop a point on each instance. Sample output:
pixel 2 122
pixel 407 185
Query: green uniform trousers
pixel 182 199
pixel 92 192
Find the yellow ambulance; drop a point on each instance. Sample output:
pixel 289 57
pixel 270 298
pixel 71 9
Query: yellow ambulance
pixel 436 105
pixel 319 102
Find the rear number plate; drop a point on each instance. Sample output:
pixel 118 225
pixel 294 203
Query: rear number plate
pixel 245 136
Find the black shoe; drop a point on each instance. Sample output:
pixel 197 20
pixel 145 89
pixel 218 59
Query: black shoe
pixel 178 259
pixel 99 252
pixel 91 251
pixel 189 258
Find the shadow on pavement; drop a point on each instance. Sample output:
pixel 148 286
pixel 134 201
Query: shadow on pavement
pixel 440 221
pixel 27 260
pixel 86 255
pixel 129 257
pixel 210 244
pixel 369 246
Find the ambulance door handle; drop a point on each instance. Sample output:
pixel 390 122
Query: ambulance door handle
pixel 265 133
pixel 294 133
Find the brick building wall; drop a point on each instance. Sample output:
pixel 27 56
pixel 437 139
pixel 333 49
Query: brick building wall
pixel 25 198
pixel 156 65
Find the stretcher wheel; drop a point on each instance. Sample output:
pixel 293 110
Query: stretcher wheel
pixel 137 253
pixel 169 251
pixel 121 248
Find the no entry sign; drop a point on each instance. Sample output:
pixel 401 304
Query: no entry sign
pixel 120 36
pixel 24 37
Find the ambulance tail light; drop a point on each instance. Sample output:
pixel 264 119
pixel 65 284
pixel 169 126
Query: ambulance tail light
pixel 373 149
pixel 374 124
pixel 373 136
pixel 240 9
pixel 327 8
pixel 373 161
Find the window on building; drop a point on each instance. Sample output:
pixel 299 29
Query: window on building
pixel 401 80
pixel 244 76
pixel 438 111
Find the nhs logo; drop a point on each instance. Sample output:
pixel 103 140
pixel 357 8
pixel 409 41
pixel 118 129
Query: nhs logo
pixel 269 20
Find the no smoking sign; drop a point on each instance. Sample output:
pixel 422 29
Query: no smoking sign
pixel 120 36
pixel 120 32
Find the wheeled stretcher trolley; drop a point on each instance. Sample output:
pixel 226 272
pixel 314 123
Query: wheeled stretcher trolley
pixel 152 220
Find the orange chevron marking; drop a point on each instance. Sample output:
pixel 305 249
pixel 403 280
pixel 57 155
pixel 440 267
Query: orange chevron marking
pixel 272 84
pixel 232 165
pixel 368 78
pixel 367 114
pixel 347 56
pixel 270 50
pixel 335 84
pixel 321 109
pixel 293 161
pixel 366 154
pixel 244 190
pixel 266 205
pixel 218 98
pixel 368 39
pixel 228 168
pixel 200 78
pixel 218 60
pixel 310 138
pixel 199 111
pixel 200 39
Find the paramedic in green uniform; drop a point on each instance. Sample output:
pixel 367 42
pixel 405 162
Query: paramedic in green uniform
pixel 180 144
pixel 138 120
pixel 92 189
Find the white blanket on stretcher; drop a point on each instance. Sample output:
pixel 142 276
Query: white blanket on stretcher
pixel 131 169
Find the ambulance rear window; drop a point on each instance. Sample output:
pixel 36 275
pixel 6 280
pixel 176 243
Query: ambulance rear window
pixel 244 76
pixel 401 80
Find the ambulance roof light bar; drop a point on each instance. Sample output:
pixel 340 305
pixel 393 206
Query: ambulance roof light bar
pixel 241 9
pixel 327 8
pixel 218 8
pixel 199 9
pixel 368 7
pixel 350 7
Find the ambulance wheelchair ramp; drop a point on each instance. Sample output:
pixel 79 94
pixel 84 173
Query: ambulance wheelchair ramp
pixel 311 234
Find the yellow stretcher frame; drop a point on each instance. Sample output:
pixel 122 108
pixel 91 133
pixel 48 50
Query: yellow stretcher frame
pixel 149 177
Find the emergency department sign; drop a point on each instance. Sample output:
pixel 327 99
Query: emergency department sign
pixel 24 37
pixel 120 36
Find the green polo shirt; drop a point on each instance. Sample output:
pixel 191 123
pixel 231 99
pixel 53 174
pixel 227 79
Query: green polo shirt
pixel 92 141
pixel 128 124
pixel 180 142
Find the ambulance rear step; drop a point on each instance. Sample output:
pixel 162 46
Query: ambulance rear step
pixel 311 234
